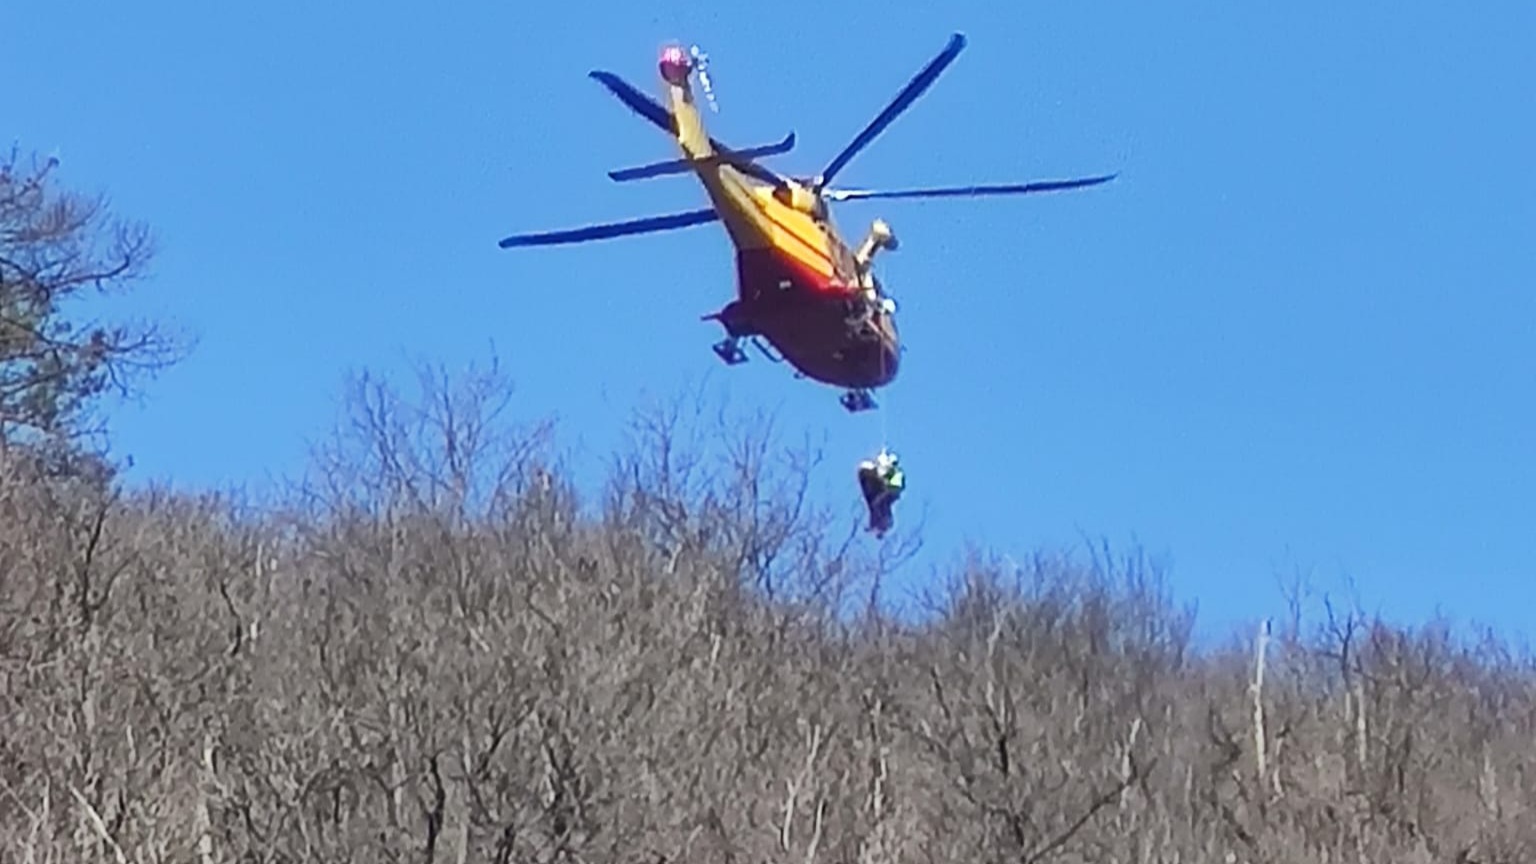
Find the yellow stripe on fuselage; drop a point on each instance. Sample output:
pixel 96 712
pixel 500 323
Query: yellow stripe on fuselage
pixel 791 232
pixel 752 216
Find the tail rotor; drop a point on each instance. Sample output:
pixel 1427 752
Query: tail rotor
pixel 701 65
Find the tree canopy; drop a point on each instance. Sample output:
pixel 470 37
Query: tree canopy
pixel 57 245
pixel 434 650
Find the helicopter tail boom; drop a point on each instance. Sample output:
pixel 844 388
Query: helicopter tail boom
pixel 687 124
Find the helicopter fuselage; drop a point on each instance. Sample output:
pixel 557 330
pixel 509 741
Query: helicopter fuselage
pixel 799 285
pixel 828 332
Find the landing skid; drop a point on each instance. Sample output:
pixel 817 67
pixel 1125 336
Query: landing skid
pixel 730 351
pixel 858 400
pixel 766 351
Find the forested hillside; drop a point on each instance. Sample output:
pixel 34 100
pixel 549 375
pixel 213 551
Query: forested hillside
pixel 430 651
pixel 433 649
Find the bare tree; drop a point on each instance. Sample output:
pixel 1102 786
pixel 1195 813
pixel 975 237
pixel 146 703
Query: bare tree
pixel 55 245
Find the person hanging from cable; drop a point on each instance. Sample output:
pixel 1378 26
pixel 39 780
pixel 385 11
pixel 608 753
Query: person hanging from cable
pixel 882 482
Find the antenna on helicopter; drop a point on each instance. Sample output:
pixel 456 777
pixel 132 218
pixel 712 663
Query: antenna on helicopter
pixel 701 63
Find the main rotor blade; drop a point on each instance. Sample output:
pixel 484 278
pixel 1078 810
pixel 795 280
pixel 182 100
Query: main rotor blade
pixel 638 102
pixel 968 191
pixel 919 83
pixel 612 229
pixel 737 158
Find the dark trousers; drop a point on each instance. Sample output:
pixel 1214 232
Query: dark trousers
pixel 880 498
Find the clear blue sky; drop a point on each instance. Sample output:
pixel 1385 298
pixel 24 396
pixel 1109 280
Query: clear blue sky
pixel 1298 335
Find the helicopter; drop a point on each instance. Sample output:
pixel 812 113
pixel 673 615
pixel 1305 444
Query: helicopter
pixel 800 285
